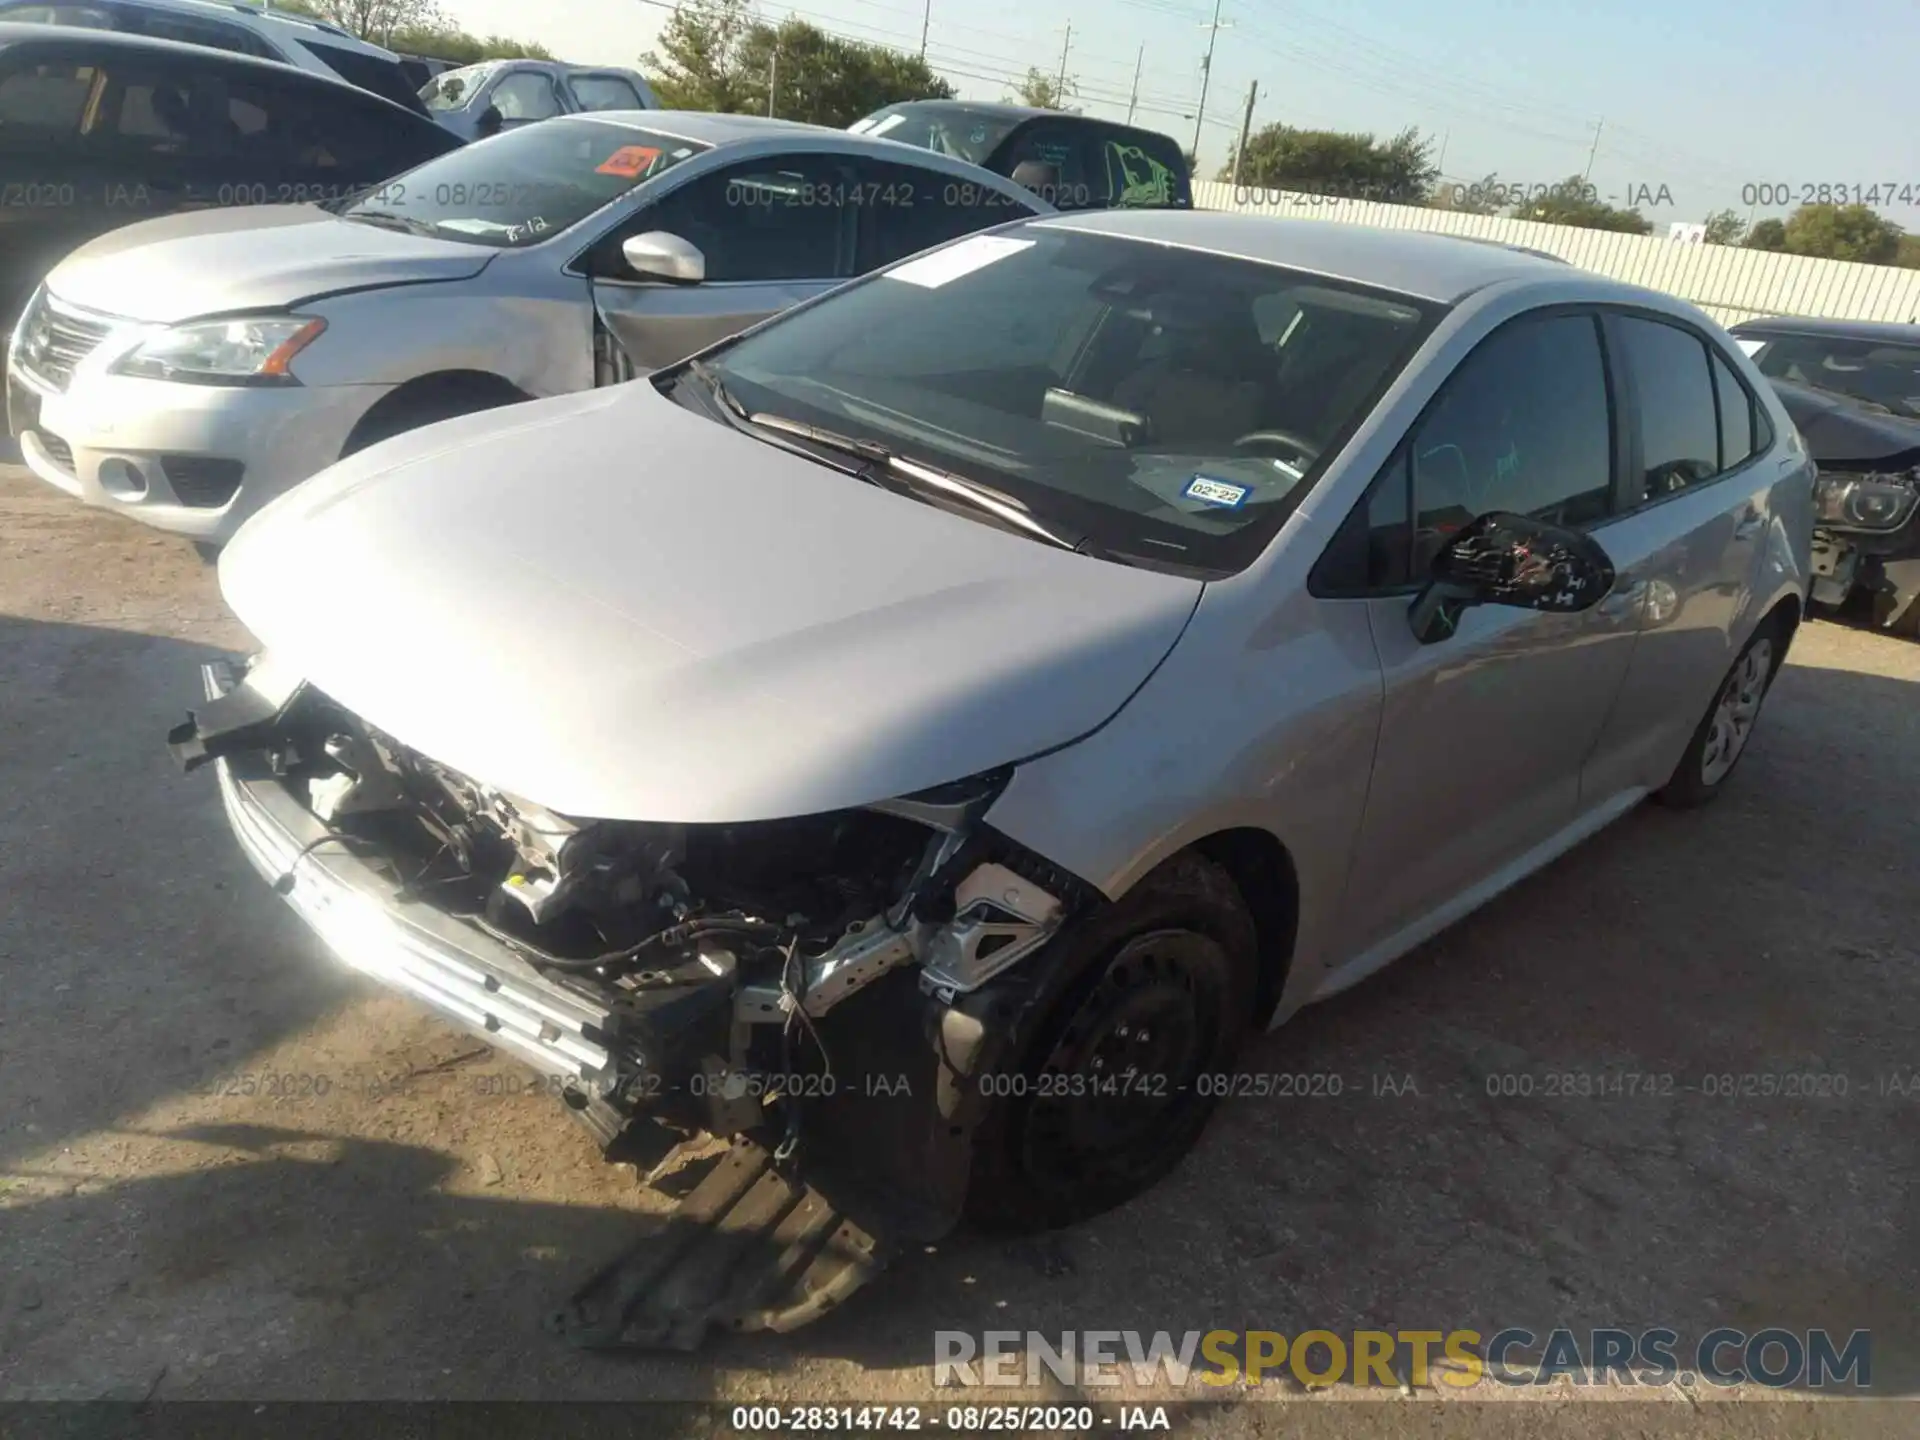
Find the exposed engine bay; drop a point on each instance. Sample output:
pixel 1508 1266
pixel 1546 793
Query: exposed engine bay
pixel 821 990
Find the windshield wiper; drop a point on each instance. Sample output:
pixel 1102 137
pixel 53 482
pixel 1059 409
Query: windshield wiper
pixel 387 220
pixel 717 388
pixel 917 473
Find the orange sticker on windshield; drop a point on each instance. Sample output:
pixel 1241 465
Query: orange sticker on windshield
pixel 628 161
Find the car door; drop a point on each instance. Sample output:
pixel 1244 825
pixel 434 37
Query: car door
pixel 774 230
pixel 52 198
pixel 1483 734
pixel 904 209
pixel 1688 550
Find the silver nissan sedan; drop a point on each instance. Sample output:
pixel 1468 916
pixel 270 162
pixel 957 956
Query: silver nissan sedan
pixel 924 736
pixel 184 371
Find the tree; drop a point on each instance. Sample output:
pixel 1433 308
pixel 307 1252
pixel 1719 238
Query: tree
pixel 1484 196
pixel 1333 162
pixel 1724 227
pixel 1767 235
pixel 697 64
pixel 824 80
pixel 379 20
pixel 1842 232
pixel 1574 202
pixel 1908 256
pixel 464 49
pixel 1044 91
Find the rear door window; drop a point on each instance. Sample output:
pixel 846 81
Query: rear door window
pixel 1679 425
pixel 905 209
pixel 604 92
pixel 1096 166
pixel 1736 416
pixel 41 100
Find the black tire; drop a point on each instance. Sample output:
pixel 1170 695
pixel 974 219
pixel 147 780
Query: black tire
pixel 1696 780
pixel 426 406
pixel 1163 979
pixel 208 552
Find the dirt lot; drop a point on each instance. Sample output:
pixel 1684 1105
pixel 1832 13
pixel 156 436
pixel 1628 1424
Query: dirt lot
pixel 403 1234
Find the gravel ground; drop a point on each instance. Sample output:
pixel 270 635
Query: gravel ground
pixel 402 1234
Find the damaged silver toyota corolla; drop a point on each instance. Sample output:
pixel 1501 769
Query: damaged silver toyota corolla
pixel 919 739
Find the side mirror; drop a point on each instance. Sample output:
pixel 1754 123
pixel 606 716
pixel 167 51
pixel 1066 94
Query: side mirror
pixel 658 255
pixel 490 122
pixel 1507 559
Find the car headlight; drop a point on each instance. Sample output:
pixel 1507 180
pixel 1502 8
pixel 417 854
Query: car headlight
pixel 244 351
pixel 1865 502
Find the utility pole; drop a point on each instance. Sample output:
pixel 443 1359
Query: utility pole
pixel 1441 163
pixel 1206 74
pixel 925 21
pixel 773 79
pixel 1600 125
pixel 1246 129
pixel 1134 98
pixel 1060 85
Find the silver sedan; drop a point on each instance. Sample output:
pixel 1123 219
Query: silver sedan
pixel 184 371
pixel 1031 669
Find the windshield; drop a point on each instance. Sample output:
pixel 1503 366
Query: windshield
pixel 1883 375
pixel 524 186
pixel 1170 406
pixel 452 89
pixel 967 134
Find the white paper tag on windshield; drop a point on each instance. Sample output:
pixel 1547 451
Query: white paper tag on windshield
pixel 1750 346
pixel 965 257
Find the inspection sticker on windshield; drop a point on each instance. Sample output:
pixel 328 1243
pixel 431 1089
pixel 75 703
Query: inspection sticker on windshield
pixel 1215 492
pixel 965 257
pixel 628 161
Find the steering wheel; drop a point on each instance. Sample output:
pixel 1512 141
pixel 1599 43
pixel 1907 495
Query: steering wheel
pixel 1303 449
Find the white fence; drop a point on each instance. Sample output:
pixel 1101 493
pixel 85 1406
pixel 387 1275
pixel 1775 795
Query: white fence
pixel 1730 284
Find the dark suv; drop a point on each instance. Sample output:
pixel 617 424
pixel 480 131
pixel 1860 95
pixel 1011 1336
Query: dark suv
pixel 1073 162
pixel 99 129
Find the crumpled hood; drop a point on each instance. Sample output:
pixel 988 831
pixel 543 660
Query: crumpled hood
pixel 248 257
pixel 621 609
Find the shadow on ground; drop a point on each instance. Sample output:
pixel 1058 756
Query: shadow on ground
pixel 1446 1184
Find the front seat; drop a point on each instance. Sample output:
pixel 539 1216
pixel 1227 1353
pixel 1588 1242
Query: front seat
pixel 1206 390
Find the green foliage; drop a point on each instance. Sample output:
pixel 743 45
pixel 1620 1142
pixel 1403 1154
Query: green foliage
pixel 1043 90
pixel 1725 227
pixel 1766 235
pixel 1842 232
pixel 714 55
pixel 1573 202
pixel 1331 162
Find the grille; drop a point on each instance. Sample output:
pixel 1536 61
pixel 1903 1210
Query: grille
pixel 57 450
pixel 55 340
pixel 202 482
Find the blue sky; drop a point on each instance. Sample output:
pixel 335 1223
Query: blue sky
pixel 1703 97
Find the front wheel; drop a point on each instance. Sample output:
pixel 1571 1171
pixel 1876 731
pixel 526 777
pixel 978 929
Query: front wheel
pixel 1143 1008
pixel 1722 736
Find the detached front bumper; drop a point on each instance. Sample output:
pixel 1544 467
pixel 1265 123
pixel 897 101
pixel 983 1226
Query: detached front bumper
pixel 469 979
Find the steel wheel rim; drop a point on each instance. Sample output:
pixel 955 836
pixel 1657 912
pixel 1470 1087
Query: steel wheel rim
pixel 1735 710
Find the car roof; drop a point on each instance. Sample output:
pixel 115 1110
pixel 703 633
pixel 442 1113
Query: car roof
pixel 259 19
pixel 714 129
pixel 13 32
pixel 1021 113
pixel 1420 263
pixel 1887 331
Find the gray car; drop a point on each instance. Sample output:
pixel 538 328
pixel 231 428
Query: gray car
pixel 476 101
pixel 925 736
pixel 184 371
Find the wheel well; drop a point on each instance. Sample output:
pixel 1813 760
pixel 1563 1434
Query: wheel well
pixel 1262 871
pixel 1785 618
pixel 445 392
